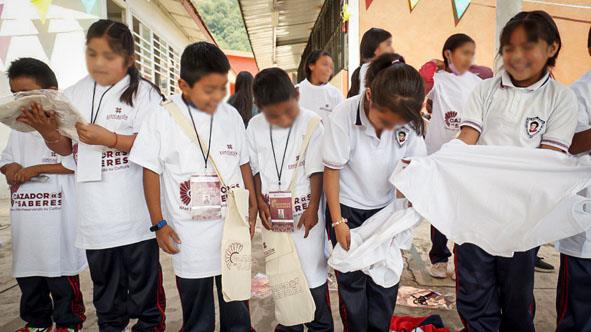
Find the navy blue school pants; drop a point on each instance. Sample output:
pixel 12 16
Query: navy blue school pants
pixel 439 252
pixel 573 296
pixel 46 300
pixel 127 284
pixel 198 307
pixel 495 293
pixel 363 304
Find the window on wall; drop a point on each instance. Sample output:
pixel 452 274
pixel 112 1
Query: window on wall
pixel 115 12
pixel 156 60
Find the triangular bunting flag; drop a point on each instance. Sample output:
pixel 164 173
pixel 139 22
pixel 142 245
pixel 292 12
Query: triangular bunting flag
pixel 42 6
pixel 412 4
pixel 367 4
pixel 88 5
pixel 460 7
pixel 46 38
pixel 4 43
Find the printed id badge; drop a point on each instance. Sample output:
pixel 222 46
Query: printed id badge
pixel 206 199
pixel 281 206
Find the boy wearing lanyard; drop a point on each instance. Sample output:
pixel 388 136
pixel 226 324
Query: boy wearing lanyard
pixel 196 179
pixel 275 138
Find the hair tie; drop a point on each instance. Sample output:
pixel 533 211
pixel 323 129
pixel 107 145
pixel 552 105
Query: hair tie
pixel 396 61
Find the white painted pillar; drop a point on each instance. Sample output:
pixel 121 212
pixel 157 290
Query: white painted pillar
pixel 505 10
pixel 353 37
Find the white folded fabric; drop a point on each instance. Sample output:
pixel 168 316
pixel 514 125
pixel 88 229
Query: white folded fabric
pixel 503 199
pixel 375 245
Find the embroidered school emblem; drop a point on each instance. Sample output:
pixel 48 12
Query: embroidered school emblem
pixel 401 136
pixel 452 120
pixel 533 126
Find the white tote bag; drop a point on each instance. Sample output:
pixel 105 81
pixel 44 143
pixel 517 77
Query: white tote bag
pixel 236 244
pixel 294 303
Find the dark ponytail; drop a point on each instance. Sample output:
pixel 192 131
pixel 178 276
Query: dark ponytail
pixel 243 99
pixel 355 83
pixel 381 63
pixel 121 41
pixel 398 88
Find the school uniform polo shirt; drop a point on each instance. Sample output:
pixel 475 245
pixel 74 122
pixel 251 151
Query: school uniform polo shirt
pixel 543 113
pixel 365 161
pixel 580 244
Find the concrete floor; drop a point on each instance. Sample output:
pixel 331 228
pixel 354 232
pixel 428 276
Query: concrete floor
pixel 262 309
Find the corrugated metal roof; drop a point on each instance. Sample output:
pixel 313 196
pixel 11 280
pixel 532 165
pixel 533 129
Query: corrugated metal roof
pixel 187 19
pixel 279 29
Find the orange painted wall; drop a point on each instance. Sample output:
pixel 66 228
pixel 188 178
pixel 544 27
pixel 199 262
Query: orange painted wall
pixel 420 34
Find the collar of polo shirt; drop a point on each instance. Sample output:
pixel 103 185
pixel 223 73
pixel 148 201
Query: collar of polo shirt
pixel 507 83
pixel 362 121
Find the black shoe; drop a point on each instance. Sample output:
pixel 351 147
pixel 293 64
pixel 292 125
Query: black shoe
pixel 542 266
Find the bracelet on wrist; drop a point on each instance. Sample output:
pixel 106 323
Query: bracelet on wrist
pixel 116 141
pixel 340 221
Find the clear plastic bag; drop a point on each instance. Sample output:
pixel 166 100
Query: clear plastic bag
pixel 50 100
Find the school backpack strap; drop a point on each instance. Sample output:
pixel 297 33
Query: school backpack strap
pixel 312 125
pixel 177 114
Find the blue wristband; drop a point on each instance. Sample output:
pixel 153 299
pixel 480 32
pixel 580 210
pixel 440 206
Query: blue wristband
pixel 158 226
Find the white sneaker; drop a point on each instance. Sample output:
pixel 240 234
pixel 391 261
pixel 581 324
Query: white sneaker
pixel 438 270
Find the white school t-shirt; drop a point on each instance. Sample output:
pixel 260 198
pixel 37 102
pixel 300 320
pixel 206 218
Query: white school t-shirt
pixel 580 244
pixel 320 99
pixel 365 161
pixel 543 113
pixel 449 95
pixel 310 250
pixel 42 214
pixel 113 212
pixel 162 147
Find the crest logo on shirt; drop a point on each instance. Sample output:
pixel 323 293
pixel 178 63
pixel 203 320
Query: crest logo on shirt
pixel 117 110
pixel 185 192
pixel 533 126
pixel 229 146
pixel 401 136
pixel 452 120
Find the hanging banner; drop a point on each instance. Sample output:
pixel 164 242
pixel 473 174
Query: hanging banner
pixel 459 7
pixel 412 4
pixel 88 5
pixel 42 6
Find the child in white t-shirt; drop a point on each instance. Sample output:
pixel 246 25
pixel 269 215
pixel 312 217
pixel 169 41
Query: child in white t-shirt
pixel 316 94
pixel 45 262
pixel 196 178
pixel 113 220
pixel 275 139
pixel 446 100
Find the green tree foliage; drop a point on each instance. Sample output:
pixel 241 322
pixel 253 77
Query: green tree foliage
pixel 225 22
